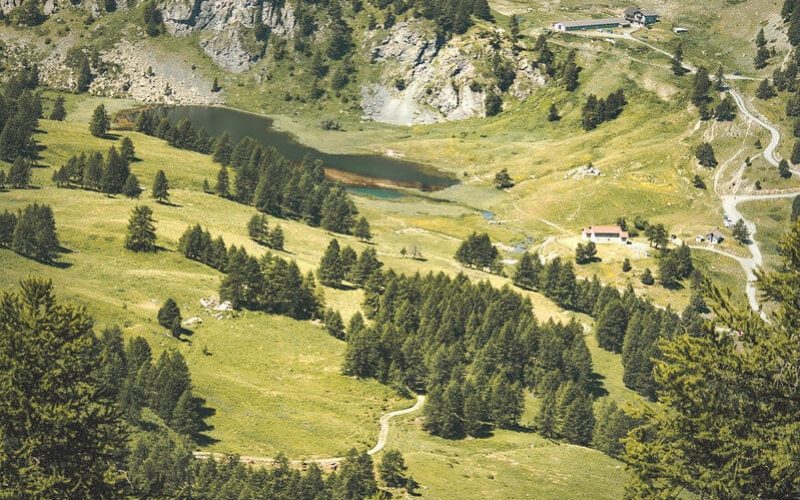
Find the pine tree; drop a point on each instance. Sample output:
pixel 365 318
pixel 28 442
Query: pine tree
pixel 222 188
pixel 168 314
pixel 794 27
pixel 215 86
pixel 186 417
pixel 392 468
pixel 153 19
pixel 783 169
pixel 502 180
pixel 222 149
pixel 481 10
pixel 126 150
pixel 611 325
pixel 740 441
pixel 702 85
pixel 514 27
pixel 141 235
pixel 258 228
pixel 8 222
pixel 677 61
pixel 362 230
pixel 786 11
pixel 719 80
pixel 19 176
pixel 334 324
pixel 330 270
pixel 795 158
pixel 726 110
pixel 741 233
pixel 160 187
pixel 576 419
pixel 528 271
pixel 668 273
pixel 85 77
pixel 170 380
pixel 761 40
pixel 35 234
pixel 93 176
pixel 100 122
pixel 545 421
pixel 765 90
pixel 66 409
pixel 58 112
pixel 552 115
pixel 115 173
pixel 761 58
pixel 647 277
pixel 276 239
pixel 131 189
pixel 705 155
pixel 626 265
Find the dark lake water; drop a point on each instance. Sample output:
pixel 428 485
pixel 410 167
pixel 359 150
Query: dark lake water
pixel 375 168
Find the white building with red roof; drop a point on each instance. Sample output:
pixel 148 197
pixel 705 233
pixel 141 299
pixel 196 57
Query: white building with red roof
pixel 606 234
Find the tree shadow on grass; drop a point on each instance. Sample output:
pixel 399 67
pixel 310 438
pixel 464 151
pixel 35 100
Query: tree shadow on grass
pixel 596 385
pixel 204 413
pixel 168 203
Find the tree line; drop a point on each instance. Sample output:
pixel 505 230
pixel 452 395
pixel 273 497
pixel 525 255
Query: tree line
pixel 338 265
pixel 269 284
pixel 110 174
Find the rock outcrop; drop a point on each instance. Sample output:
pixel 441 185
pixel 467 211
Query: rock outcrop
pixel 227 25
pixel 428 80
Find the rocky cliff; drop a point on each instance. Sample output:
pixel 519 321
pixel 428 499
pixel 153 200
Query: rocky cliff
pixel 225 26
pixel 428 80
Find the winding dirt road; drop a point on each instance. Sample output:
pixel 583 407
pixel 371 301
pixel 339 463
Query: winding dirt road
pixel 332 462
pixel 731 202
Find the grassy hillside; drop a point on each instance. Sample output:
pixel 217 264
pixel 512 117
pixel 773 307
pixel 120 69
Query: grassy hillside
pixel 275 382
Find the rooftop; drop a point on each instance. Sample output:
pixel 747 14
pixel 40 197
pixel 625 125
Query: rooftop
pixel 606 230
pixel 593 22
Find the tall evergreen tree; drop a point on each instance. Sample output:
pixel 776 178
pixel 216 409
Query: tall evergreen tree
pixel 222 149
pixel 115 173
pixel 58 112
pixel 132 189
pixel 744 447
pixel 62 436
pixel 677 61
pixel 19 176
pixel 35 234
pixel 223 186
pixel 362 230
pixel 100 122
pixel 169 315
pixel 141 235
pixel 330 272
pixel 160 187
pixel 528 271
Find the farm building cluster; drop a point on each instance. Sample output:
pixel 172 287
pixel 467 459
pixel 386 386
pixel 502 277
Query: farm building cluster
pixel 633 16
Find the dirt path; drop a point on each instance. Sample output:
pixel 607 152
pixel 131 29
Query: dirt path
pixel 332 462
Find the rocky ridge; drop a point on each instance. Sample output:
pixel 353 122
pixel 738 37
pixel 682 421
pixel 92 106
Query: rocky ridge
pixel 428 80
pixel 225 24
